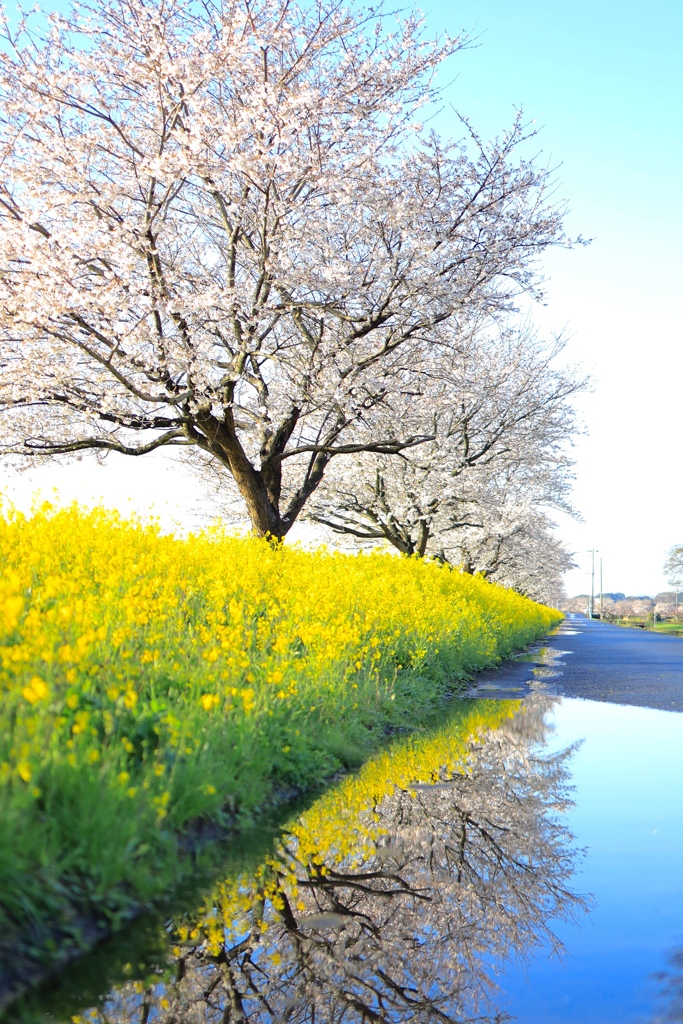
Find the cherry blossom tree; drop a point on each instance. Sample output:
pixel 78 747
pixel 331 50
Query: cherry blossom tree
pixel 223 228
pixel 517 547
pixel 673 566
pixel 478 492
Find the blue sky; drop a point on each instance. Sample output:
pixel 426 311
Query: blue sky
pixel 603 81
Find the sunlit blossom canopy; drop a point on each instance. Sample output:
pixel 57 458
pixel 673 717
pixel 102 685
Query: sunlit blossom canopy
pixel 222 226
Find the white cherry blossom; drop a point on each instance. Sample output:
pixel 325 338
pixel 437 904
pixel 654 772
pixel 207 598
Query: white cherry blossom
pixel 221 227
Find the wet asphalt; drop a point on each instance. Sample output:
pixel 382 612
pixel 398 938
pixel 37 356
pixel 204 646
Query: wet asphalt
pixel 594 660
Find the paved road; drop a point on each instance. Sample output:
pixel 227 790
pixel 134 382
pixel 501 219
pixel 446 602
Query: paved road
pixel 596 661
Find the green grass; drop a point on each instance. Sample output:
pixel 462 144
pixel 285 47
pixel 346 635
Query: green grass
pixel 644 622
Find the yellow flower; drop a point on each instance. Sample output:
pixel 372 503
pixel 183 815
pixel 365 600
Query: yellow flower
pixel 12 608
pixel 248 698
pixel 268 632
pixel 36 690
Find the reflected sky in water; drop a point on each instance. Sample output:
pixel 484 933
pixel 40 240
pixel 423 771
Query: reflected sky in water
pixel 447 866
pixel 628 775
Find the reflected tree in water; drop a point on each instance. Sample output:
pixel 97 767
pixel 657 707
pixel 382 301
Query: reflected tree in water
pixel 439 884
pixel 671 981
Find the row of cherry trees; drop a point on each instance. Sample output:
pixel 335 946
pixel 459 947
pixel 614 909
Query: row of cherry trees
pixel 223 227
pixel 479 492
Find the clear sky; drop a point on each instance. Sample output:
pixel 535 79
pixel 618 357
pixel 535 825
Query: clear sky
pixel 604 82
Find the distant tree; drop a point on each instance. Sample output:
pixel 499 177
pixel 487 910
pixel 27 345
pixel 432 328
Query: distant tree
pixel 665 610
pixel 673 570
pixel 673 566
pixel 608 607
pixel 642 606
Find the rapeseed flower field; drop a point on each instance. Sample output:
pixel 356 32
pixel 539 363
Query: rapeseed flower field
pixel 150 683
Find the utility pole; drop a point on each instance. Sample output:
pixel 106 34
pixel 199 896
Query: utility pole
pixel 591 606
pixel 600 588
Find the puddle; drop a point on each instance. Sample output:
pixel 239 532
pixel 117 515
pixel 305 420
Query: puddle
pixel 625 964
pixel 530 672
pixel 532 656
pixel 493 688
pixel 442 882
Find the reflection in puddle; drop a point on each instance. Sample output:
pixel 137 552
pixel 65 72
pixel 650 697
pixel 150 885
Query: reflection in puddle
pixel 397 897
pixel 446 867
pixel 549 664
pixel 495 688
pixel 544 664
pixel 671 993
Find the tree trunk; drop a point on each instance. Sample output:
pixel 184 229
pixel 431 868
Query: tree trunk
pixel 423 537
pixel 262 502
